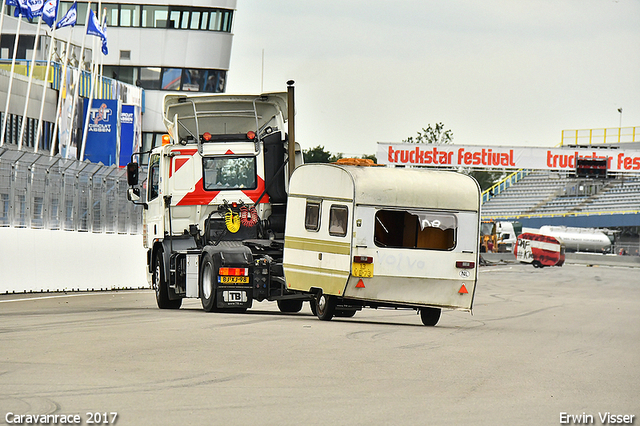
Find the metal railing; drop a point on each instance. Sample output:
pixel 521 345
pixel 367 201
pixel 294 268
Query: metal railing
pixel 600 136
pixel 505 183
pixel 44 192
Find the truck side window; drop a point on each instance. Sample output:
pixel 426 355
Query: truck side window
pixel 338 220
pixel 312 216
pixel 154 176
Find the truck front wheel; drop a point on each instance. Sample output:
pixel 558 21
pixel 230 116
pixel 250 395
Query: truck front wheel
pixel 162 287
pixel 207 284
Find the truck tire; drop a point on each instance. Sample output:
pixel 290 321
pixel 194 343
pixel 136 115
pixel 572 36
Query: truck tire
pixel 430 316
pixel 208 286
pixel 289 306
pixel 162 286
pixel 325 307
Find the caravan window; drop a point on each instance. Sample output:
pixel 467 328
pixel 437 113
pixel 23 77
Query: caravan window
pixel 338 220
pixel 415 229
pixel 312 216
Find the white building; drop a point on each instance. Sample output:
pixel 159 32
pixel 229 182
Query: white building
pixel 158 45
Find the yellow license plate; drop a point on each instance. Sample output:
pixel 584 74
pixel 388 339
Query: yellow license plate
pixel 364 270
pixel 233 280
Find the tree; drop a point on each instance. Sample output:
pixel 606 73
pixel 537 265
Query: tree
pixel 486 178
pixel 436 135
pixel 316 155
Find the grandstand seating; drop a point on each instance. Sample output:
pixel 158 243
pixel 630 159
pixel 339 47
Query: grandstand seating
pixel 545 193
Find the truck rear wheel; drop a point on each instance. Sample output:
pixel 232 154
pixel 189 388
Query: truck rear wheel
pixel 208 284
pixel 162 287
pixel 430 316
pixel 290 306
pixel 325 307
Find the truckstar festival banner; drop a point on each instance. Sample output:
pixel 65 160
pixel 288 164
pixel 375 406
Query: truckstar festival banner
pixel 411 154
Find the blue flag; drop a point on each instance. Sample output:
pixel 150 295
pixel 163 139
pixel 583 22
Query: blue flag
pixel 93 28
pixel 50 12
pixel 12 3
pixel 105 49
pixel 69 18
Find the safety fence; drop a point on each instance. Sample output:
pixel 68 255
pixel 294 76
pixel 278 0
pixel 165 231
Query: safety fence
pixel 600 136
pixel 43 192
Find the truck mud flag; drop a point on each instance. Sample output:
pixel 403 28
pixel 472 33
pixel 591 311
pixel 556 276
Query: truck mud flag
pixel 69 19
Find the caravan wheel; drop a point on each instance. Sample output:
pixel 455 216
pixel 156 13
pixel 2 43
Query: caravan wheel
pixel 325 307
pixel 430 316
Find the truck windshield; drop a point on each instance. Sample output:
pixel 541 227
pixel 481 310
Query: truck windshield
pixel 229 173
pixel 415 229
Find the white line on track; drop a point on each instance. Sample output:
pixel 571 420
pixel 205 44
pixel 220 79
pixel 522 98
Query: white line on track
pixel 68 295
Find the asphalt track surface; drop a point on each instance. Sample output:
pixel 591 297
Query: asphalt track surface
pixel 540 342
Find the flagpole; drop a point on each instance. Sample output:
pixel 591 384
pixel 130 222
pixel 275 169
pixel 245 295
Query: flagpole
pixel 13 66
pixel 63 80
pixel 44 86
pixel 26 102
pixel 85 128
pixel 80 62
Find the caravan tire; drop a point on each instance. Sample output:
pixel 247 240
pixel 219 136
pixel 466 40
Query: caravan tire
pixel 325 307
pixel 208 286
pixel 288 306
pixel 430 316
pixel 162 286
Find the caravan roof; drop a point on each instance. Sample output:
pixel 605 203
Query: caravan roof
pixel 390 187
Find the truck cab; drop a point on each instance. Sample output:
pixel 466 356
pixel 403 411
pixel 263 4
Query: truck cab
pixel 216 195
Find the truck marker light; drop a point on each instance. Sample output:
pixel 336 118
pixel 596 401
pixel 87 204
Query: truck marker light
pixel 251 135
pixel 206 136
pixel 166 140
pixel 463 290
pixel 360 284
pixel 464 264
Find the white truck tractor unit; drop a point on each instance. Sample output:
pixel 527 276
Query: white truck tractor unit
pixel 215 206
pixel 226 221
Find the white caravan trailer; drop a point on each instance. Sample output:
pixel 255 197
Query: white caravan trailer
pixel 382 237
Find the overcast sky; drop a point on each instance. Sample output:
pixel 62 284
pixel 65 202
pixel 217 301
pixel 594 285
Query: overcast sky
pixel 495 72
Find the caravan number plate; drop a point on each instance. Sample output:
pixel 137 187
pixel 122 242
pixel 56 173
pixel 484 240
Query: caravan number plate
pixel 364 270
pixel 233 280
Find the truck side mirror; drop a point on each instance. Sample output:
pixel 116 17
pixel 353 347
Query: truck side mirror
pixel 132 174
pixel 133 194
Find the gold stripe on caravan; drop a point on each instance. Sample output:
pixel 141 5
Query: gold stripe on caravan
pixel 323 246
pixel 303 278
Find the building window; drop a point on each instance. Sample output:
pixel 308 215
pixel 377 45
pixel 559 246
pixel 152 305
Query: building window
pixel 154 16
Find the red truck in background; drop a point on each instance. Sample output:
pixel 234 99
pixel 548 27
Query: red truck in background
pixel 539 250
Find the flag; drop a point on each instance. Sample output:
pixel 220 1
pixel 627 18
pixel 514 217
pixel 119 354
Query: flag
pixel 69 18
pixel 12 3
pixel 105 49
pixel 34 8
pixel 93 28
pixel 29 8
pixel 50 12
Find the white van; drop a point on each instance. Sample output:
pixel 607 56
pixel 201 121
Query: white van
pixel 382 237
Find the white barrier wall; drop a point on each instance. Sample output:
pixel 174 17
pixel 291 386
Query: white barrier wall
pixel 34 260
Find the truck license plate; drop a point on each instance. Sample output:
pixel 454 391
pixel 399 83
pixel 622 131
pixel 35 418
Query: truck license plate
pixel 364 270
pixel 233 280
pixel 231 296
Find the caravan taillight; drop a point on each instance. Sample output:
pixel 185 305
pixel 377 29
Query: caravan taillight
pixel 464 264
pixel 236 272
pixel 362 259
